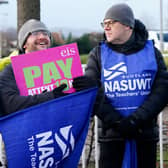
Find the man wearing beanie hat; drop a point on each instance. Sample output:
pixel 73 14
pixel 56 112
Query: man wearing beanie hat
pixel 29 27
pixel 32 36
pixel 29 32
pixel 134 85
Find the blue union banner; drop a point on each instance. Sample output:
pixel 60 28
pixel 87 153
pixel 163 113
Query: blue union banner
pixel 51 134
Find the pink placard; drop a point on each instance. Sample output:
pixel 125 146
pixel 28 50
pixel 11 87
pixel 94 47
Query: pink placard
pixel 44 70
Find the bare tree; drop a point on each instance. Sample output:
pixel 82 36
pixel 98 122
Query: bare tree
pixel 27 9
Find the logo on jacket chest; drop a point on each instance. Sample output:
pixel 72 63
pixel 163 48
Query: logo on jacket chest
pixel 118 83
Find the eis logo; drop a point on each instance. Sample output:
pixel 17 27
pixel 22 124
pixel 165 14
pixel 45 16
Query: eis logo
pixel 48 149
pixel 67 52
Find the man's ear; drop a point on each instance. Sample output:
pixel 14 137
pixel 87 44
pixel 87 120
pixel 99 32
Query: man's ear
pixel 24 46
pixel 127 27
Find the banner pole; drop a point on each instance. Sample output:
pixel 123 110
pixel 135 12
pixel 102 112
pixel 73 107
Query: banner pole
pixel 84 157
pixel 96 144
pixel 161 139
pixel 160 115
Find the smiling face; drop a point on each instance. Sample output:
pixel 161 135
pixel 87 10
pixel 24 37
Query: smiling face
pixel 116 32
pixel 36 41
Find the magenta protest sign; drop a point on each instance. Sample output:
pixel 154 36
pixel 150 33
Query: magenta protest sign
pixel 47 69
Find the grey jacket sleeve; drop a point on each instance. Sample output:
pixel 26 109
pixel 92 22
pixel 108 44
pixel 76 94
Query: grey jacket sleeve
pixel 102 109
pixel 93 70
pixel 10 97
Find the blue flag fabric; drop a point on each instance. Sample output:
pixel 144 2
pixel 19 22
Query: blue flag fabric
pixel 48 135
pixel 130 155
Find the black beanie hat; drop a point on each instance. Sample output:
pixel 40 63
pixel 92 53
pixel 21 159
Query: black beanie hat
pixel 122 13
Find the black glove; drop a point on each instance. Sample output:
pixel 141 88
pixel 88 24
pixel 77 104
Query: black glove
pixel 58 92
pixel 108 115
pixel 84 82
pixel 129 127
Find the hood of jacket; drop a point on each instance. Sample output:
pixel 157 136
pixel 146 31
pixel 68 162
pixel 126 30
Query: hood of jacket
pixel 7 60
pixel 136 42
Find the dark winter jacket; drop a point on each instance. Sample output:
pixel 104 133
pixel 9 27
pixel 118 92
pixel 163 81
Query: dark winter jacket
pixel 146 114
pixel 10 97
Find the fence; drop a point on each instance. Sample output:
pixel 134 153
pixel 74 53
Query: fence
pixel 89 160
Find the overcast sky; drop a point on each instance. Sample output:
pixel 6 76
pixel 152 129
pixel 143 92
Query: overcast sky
pixel 84 14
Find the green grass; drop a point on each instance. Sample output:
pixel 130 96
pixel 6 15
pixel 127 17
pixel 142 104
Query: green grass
pixel 84 58
pixel 166 61
pixel 165 155
pixel 165 158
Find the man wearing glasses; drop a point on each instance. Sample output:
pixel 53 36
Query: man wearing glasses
pixel 133 75
pixel 32 36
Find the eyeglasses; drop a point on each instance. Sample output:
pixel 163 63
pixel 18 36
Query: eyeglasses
pixel 108 23
pixel 43 32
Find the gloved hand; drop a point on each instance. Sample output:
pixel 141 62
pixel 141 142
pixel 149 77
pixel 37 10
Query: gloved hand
pixel 58 92
pixel 108 115
pixel 129 127
pixel 84 82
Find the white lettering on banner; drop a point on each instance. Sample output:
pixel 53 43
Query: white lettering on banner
pixel 33 160
pixel 42 147
pixel 46 152
pixel 127 108
pixel 127 85
pixel 45 138
pixel 33 156
pixel 126 94
pixel 67 52
pixel 38 90
pixel 31 143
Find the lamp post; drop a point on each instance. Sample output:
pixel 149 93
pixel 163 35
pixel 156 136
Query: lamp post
pixel 161 25
pixel 160 115
pixel 1 2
